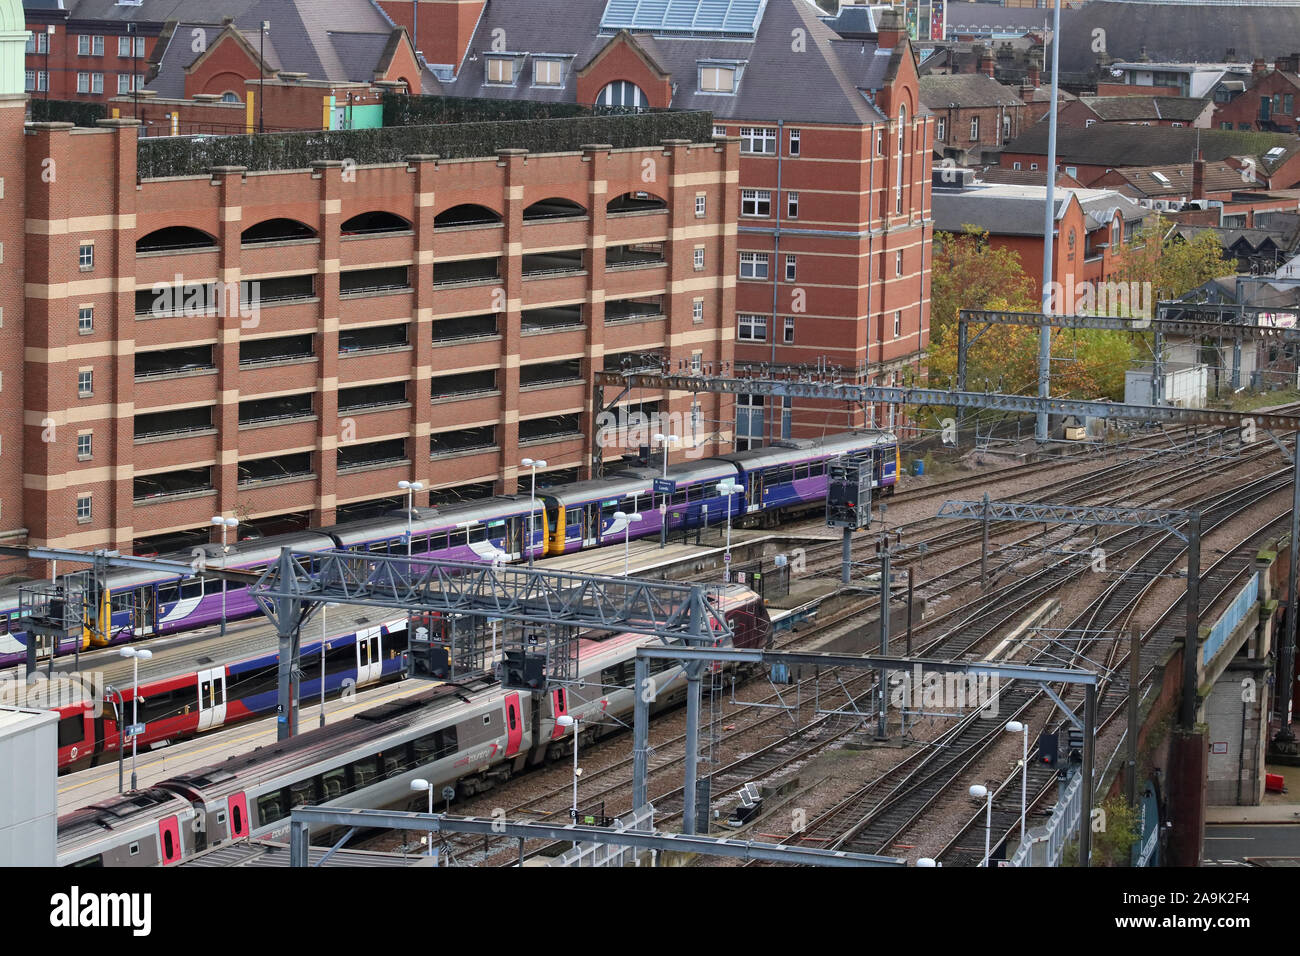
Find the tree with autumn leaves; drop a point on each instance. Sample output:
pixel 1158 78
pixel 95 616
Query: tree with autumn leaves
pixel 970 273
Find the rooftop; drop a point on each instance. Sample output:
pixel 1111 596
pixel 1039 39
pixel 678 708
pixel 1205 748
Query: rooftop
pixel 966 90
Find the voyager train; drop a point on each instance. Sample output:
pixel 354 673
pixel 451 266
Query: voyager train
pixel 471 736
pixel 774 482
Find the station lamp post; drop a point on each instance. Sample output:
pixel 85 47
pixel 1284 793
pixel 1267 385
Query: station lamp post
pixel 664 441
pixel 568 720
pixel 324 608
pixel 728 488
pixel 422 784
pixel 627 520
pixel 223 524
pixel 533 464
pixel 1016 727
pixel 136 654
pixel 410 487
pixel 983 793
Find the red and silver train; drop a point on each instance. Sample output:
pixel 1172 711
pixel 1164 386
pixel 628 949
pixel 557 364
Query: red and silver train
pixel 471 736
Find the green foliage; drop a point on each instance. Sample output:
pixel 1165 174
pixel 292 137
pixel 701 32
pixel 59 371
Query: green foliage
pixel 1172 266
pixel 191 157
pixel 969 273
pixel 403 110
pixel 67 111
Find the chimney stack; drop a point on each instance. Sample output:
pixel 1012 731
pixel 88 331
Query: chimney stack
pixel 1035 73
pixel 1198 177
pixel 1257 67
pixel 988 64
pixel 889 30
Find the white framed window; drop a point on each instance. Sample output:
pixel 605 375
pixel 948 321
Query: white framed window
pixel 755 202
pixel 83 508
pixel 501 70
pixel 717 79
pixel 697 362
pixel 1089 123
pixel 758 139
pixel 83 45
pixel 699 258
pixel 701 206
pixel 548 73
pixel 719 131
pixel 898 323
pixel 1015 165
pixel 791 263
pixel 29 81
pixel 43 42
pixel 42 81
pixel 622 93
pixel 792 205
pixel 794 142
pixel 880 142
pixel 86 256
pixel 123 83
pixel 85 384
pixel 83 82
pixel 97 46
pixel 1033 165
pixel 1072 171
pixel 85 446
pixel 97 82
pixel 751 328
pixel 86 319
pixel 974 128
pixel 940 127
pixel 697 311
pixel 1006 126
pixel 898 262
pixel 789 330
pixel 753 265
pixel 124 46
pixel 898 162
pixel 31 43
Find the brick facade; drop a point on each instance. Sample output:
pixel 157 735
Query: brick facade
pixel 95 200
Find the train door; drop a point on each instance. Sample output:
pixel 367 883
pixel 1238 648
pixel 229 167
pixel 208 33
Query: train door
pixel 754 491
pixel 212 698
pixel 591 524
pixel 370 659
pixel 514 725
pixel 517 536
pixel 145 619
pixel 561 707
pixel 170 848
pixel 237 815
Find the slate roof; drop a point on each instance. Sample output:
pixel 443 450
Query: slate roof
pixel 1118 145
pixel 1219 177
pixel 1017 210
pixel 966 90
pixel 1179 109
pixel 338 40
pixel 824 84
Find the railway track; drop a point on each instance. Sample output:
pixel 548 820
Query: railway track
pixel 885 808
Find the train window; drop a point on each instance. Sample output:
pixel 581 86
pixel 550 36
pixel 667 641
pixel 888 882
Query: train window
pixel 510 714
pixel 300 794
pixel 192 589
pixel 363 772
pixel 817 469
pixel 559 699
pixel 122 602
pixel 390 763
pixel 478 535
pixel 96 860
pixel 487 719
pixel 270 808
pixel 379 547
pixel 221 815
pixel 783 475
pixel 169 593
pixel 72 730
pixel 4 623
pixel 169 844
pixel 679 497
pixel 800 471
pixel 333 783
pixel 133 849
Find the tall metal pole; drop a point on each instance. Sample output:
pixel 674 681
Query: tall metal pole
pixel 575 769
pixel 846 559
pixel 1089 754
pixel 261 77
pixel 135 712
pixel 1024 779
pixel 881 722
pixel 1134 680
pixel 641 731
pixel 323 612
pixel 532 512
pixel 909 610
pixel 1192 623
pixel 984 547
pixel 1286 682
pixel 288 612
pixel 223 580
pixel 988 828
pixel 1049 222
pixel 117 719
pixel 692 745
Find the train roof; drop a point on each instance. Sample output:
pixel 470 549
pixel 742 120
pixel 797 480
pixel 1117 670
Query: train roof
pixel 251 551
pixel 617 486
pixel 705 469
pixel 334 741
pixel 424 520
pixel 803 449
pixel 84 826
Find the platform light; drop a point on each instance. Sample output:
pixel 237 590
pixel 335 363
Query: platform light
pixel 533 464
pixel 417 785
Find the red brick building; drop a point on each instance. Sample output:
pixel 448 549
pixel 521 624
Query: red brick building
pixel 974 115
pixel 834 185
pixel 285 345
pixel 1269 104
pixel 1137 110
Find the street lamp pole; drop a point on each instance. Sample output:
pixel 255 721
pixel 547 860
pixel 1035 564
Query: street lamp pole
pixel 261 75
pixel 568 720
pixel 627 520
pixel 422 784
pixel 410 487
pixel 1016 727
pixel 727 488
pixel 223 524
pixel 532 464
pixel 136 655
pixel 982 793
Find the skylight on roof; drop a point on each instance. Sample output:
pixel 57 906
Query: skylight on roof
pixel 1160 176
pixel 1275 152
pixel 739 17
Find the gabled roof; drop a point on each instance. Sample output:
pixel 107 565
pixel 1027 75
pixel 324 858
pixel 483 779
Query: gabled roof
pixel 966 90
pixel 1176 179
pixel 1017 210
pixel 1179 109
pixel 825 82
pixel 1119 145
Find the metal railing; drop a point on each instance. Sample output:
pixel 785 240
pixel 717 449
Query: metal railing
pixel 1059 832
